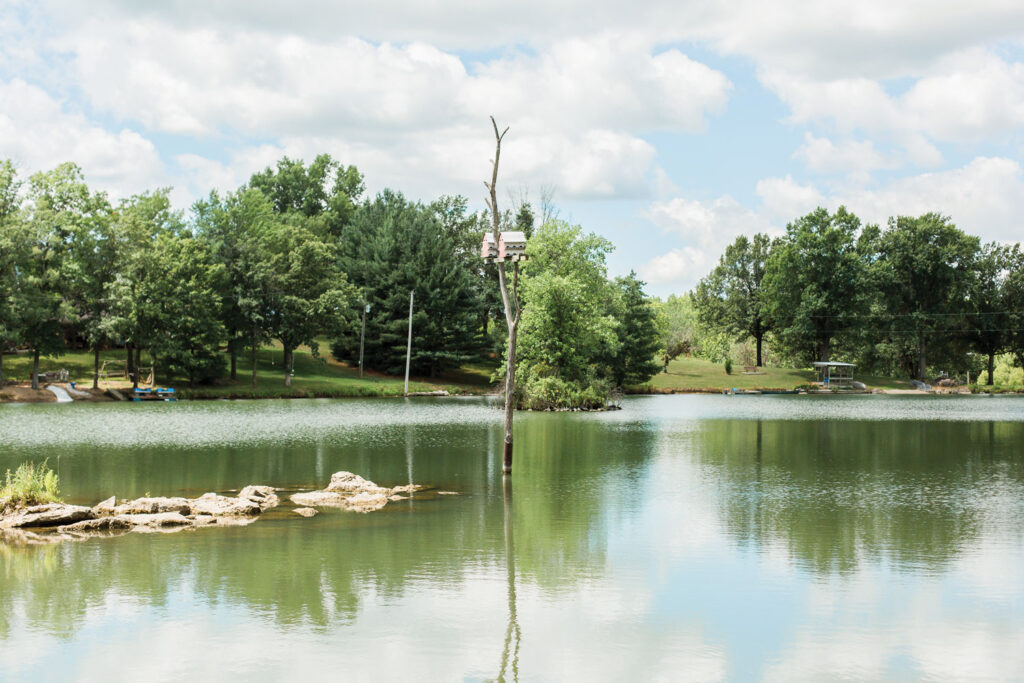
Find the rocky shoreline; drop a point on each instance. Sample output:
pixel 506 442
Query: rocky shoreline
pixel 57 522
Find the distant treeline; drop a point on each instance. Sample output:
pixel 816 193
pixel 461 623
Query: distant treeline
pixel 911 299
pixel 295 255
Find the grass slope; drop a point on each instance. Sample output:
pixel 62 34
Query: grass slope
pixel 694 374
pixel 313 377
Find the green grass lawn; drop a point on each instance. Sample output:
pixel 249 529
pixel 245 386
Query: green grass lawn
pixel 690 374
pixel 313 377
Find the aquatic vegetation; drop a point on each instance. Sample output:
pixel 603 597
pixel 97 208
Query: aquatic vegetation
pixel 30 485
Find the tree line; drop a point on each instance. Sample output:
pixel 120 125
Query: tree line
pixel 294 256
pixel 909 299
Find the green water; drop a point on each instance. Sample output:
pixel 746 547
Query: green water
pixel 682 538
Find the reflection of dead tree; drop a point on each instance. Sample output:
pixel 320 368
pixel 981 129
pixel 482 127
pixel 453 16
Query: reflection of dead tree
pixel 512 632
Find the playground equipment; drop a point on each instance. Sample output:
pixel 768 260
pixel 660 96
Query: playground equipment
pixel 118 370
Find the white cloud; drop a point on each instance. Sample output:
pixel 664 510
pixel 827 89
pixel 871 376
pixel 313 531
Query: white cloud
pixel 39 133
pixel 577 107
pixel 983 198
pixel 784 198
pixel 704 229
pixel 686 265
pixel 827 39
pixel 966 97
pixel 847 156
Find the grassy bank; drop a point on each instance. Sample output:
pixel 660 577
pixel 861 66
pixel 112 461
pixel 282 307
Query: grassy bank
pixel 313 377
pixel 696 375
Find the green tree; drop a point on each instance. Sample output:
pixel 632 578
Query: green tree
pixel 60 204
pixel 731 297
pixel 924 272
pixel 1013 300
pixel 135 227
pixel 12 246
pixel 185 305
pixel 637 330
pixel 566 334
pixel 307 292
pixel 234 227
pixel 324 192
pixel 392 247
pixel 814 282
pixel 989 303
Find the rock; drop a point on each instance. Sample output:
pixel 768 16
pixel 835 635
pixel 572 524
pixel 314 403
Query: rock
pixel 366 502
pixel 305 512
pixel 204 520
pixel 152 506
pixel 100 524
pixel 447 493
pixel 317 499
pixel 346 482
pixel 263 496
pixel 360 502
pixel 52 514
pixel 159 519
pixel 223 506
pixel 105 507
pixel 408 488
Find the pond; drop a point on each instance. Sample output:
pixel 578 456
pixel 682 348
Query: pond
pixel 777 538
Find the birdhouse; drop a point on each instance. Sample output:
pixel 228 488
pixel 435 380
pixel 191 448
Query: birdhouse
pixel 489 249
pixel 512 246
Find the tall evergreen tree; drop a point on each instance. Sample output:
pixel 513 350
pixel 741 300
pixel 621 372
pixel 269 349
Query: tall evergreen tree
pixel 637 332
pixel 392 247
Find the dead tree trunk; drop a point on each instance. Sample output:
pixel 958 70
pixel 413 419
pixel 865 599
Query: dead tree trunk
pixel 510 301
pixel 96 367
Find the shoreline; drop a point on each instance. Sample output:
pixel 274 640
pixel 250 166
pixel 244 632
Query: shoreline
pixel 20 395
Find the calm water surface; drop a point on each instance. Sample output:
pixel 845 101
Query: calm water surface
pixel 682 538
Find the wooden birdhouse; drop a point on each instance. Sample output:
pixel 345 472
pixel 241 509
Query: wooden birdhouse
pixel 489 249
pixel 512 246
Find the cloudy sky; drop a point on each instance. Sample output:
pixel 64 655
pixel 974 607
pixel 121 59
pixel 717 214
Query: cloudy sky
pixel 669 127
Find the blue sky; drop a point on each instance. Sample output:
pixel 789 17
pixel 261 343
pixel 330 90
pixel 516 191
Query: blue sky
pixel 668 127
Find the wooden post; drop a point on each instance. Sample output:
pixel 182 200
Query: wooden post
pixel 362 339
pixel 408 348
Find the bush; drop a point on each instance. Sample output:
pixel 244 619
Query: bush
pixel 30 485
pixel 728 366
pixel 555 393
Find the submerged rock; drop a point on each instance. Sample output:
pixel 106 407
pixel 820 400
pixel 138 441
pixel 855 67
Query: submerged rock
pixel 305 512
pixel 349 491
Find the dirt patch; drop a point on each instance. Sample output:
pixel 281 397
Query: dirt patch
pixel 24 393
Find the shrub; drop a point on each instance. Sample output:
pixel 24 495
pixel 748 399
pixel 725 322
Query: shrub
pixel 30 485
pixel 728 366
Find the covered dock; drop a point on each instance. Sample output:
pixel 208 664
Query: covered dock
pixel 833 374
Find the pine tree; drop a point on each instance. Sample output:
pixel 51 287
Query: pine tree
pixel 638 334
pixel 392 247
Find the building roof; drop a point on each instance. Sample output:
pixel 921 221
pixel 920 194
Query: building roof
pixel 833 364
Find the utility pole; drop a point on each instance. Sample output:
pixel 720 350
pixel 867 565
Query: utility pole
pixel 408 348
pixel 362 337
